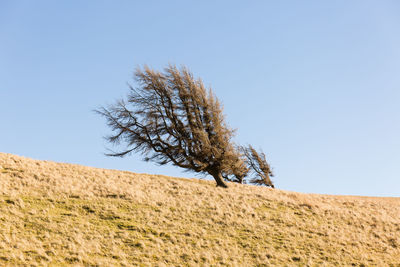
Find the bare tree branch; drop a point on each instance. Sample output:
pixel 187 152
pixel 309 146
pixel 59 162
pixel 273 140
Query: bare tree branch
pixel 259 166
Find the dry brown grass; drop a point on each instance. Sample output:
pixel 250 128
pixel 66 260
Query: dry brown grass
pixel 54 214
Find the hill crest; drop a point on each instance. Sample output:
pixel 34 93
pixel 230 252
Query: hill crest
pixel 121 218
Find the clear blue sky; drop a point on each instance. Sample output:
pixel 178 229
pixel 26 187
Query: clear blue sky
pixel 315 84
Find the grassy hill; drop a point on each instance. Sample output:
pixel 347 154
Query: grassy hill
pixel 54 214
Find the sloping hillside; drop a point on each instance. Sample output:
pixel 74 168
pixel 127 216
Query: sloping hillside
pixel 57 214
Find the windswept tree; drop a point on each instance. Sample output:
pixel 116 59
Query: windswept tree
pixel 259 166
pixel 171 118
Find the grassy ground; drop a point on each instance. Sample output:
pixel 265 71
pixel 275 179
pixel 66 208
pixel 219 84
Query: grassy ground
pixel 54 214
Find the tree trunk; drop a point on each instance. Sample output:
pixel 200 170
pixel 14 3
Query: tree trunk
pixel 220 181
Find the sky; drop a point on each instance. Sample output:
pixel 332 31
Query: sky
pixel 314 84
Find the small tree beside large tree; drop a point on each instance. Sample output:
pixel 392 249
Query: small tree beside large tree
pixel 171 118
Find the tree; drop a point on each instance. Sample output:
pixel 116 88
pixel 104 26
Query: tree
pixel 259 166
pixel 171 118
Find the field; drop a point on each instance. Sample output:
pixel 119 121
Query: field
pixel 55 214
